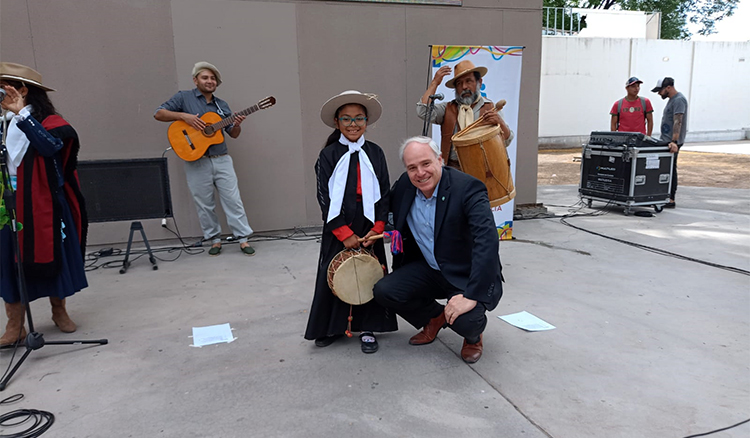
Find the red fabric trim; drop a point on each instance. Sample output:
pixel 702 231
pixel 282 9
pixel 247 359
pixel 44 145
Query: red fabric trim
pixel 36 217
pixel 53 121
pixel 359 181
pixel 379 227
pixel 343 232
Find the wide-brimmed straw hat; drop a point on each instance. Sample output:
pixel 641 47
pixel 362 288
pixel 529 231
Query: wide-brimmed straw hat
pixel 17 72
pixel 367 100
pixel 464 68
pixel 203 65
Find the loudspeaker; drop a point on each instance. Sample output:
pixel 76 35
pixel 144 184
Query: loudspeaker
pixel 125 190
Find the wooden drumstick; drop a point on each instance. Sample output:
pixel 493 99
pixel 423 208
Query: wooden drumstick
pixel 499 107
pixel 375 237
pixel 481 120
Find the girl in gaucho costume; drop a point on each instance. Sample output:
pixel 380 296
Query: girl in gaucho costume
pixel 353 186
pixel 43 155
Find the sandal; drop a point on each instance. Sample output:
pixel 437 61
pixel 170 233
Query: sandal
pixel 369 343
pixel 214 251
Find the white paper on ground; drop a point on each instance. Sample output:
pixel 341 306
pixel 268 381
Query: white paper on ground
pixel 212 334
pixel 526 321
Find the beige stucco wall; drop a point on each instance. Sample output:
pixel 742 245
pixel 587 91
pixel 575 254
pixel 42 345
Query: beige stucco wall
pixel 115 61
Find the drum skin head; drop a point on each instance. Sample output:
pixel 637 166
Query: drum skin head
pixel 355 277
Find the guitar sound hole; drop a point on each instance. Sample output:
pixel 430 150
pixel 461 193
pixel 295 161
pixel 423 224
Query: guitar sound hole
pixel 208 130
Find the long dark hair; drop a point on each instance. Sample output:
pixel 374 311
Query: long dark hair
pixel 41 106
pixel 336 134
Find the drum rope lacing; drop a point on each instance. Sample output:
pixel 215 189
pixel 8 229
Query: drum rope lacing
pixel 359 293
pixel 360 263
pixel 487 166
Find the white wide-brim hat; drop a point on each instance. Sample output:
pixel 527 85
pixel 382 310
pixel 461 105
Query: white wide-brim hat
pixel 367 100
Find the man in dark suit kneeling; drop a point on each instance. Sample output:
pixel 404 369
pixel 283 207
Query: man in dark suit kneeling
pixel 450 250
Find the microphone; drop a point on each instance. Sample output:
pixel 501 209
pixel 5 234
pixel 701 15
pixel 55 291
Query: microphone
pixel 3 93
pixel 438 96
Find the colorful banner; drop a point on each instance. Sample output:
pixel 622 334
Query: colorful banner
pixel 502 81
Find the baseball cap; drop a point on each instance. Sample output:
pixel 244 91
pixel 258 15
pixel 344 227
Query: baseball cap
pixel 663 83
pixel 633 80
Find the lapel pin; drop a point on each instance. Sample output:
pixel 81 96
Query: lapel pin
pixel 443 199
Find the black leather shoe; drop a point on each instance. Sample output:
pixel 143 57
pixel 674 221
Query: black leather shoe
pixel 369 343
pixel 326 340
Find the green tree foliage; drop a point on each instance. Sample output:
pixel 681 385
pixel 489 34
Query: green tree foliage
pixel 675 14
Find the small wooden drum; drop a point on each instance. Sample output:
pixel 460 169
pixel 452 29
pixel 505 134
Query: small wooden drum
pixel 482 154
pixel 352 274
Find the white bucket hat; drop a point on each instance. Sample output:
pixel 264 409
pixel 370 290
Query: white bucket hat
pixel 203 65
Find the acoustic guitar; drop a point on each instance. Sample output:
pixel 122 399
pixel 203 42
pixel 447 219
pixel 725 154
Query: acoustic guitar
pixel 190 144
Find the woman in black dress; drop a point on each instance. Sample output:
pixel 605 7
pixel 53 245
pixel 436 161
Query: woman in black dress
pixel 43 155
pixel 353 187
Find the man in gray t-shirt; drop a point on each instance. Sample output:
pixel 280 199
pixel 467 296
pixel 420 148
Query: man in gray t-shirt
pixel 673 124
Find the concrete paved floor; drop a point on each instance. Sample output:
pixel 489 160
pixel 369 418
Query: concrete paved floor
pixel 646 345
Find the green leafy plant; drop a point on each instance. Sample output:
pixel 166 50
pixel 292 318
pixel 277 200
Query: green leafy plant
pixel 4 216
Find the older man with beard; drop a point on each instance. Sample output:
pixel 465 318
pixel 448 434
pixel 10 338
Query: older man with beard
pixel 468 106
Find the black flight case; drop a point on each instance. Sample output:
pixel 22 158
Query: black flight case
pixel 626 168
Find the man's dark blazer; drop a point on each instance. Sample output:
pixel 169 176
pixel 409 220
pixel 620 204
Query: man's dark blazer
pixel 466 239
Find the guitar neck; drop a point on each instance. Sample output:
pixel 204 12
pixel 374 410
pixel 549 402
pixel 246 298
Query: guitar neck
pixel 229 120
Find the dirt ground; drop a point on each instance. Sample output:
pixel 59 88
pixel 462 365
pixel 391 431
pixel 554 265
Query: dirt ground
pixel 700 169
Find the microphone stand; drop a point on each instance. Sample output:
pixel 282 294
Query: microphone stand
pixel 34 340
pixel 430 108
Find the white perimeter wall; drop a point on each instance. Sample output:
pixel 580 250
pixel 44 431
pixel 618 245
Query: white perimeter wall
pixel 583 77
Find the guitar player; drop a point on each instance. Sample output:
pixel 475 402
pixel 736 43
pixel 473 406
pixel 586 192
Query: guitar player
pixel 214 168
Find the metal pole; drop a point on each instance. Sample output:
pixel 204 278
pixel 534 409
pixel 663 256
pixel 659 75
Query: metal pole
pixel 426 122
pixel 556 20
